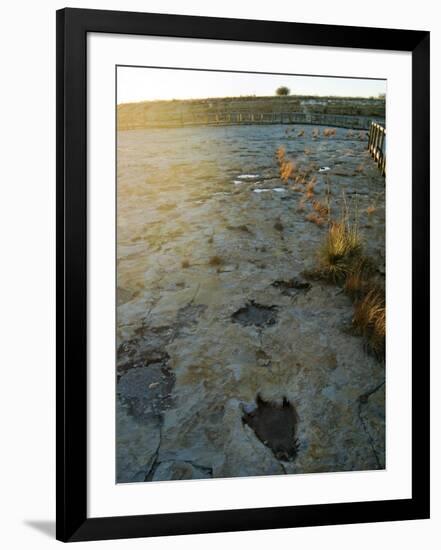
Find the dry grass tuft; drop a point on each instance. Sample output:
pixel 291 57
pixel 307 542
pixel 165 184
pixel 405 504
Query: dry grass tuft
pixel 320 208
pixel 307 151
pixel 301 133
pixel 280 153
pixel 185 264
pixel 357 282
pixel 371 209
pixel 315 133
pixel 359 169
pixel 315 218
pixel 341 249
pixel 215 261
pixel 301 207
pixel 287 170
pixel 309 189
pixel 370 320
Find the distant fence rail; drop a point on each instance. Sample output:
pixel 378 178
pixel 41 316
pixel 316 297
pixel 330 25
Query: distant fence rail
pixel 377 145
pixel 356 122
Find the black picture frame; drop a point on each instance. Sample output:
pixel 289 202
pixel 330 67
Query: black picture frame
pixel 71 428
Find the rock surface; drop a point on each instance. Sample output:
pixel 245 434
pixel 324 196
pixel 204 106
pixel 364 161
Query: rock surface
pixel 199 339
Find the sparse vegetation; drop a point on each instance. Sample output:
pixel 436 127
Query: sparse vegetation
pixel 370 320
pixel 320 208
pixel 282 90
pixel 358 279
pixel 280 153
pixel 315 218
pixel 341 257
pixel 287 170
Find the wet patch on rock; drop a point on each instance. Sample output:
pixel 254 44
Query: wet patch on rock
pixel 255 314
pixel 276 426
pixel 291 287
pixel 146 391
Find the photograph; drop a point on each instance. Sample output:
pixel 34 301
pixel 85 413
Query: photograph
pixel 250 274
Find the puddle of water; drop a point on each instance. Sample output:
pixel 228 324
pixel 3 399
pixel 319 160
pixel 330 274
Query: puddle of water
pixel 248 176
pixel 275 425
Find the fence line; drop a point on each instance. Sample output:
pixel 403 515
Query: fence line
pixel 377 145
pixel 355 122
pixel 359 122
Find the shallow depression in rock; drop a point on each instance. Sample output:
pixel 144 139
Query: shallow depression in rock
pixel 255 314
pixel 276 426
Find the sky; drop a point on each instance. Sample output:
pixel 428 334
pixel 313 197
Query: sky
pixel 147 84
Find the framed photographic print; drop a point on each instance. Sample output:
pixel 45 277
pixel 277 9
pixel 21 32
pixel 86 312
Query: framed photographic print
pixel 238 205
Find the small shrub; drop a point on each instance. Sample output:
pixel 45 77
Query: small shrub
pixel 278 226
pixel 301 133
pixel 185 264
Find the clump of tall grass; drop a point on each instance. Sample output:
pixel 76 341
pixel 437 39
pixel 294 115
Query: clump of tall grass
pixel 329 132
pixel 370 320
pixel 341 250
pixel 287 170
pixel 358 279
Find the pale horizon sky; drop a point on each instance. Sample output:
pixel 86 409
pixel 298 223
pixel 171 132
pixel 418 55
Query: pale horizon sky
pixel 149 84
